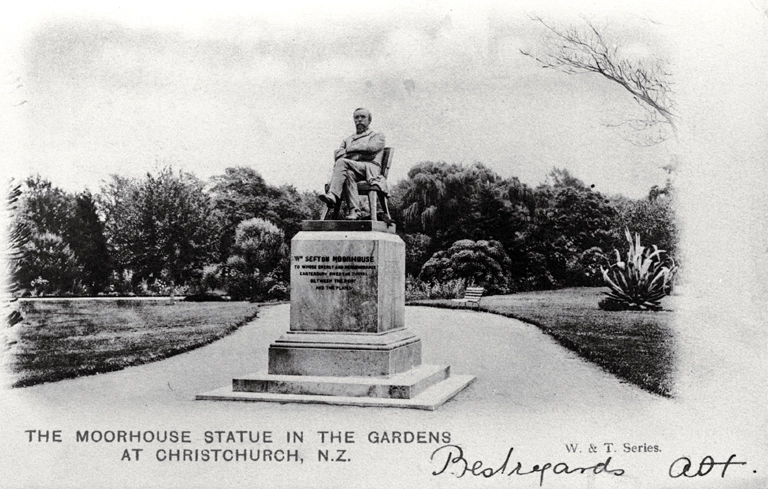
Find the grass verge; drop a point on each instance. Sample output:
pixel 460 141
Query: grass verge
pixel 61 339
pixel 636 346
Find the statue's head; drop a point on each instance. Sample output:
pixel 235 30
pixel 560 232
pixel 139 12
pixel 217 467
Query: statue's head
pixel 362 118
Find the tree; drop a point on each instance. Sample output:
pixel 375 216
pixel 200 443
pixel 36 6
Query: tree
pixel 44 208
pixel 85 234
pixel 761 6
pixel 48 258
pixel 449 202
pixel 241 193
pixel 567 228
pixel 48 266
pixel 580 217
pixel 653 219
pixel 259 261
pixel 161 227
pixel 435 198
pixel 417 247
pixel 562 178
pixel 575 50
pixel 545 231
pixel 483 263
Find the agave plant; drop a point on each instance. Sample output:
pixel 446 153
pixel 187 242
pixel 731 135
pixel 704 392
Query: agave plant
pixel 640 281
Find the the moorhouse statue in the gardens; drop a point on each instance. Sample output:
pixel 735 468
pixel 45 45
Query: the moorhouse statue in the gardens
pixel 355 162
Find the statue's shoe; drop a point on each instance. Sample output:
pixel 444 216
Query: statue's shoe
pixel 353 216
pixel 329 199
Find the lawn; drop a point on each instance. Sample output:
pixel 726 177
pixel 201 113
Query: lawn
pixel 61 339
pixel 637 347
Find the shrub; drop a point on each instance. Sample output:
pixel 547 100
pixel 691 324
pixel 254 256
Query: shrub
pixel 48 266
pixel 279 292
pixel 416 289
pixel 241 283
pixel 583 270
pixel 533 273
pixel 211 278
pixel 640 282
pixel 484 263
pixel 120 283
pixel 259 261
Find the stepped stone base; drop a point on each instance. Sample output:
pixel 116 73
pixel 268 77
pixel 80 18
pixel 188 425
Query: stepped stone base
pixel 347 343
pixel 403 386
pixel 426 387
pixel 344 355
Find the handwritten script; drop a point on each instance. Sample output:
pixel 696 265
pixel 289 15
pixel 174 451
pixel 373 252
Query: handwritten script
pixel 684 467
pixel 451 459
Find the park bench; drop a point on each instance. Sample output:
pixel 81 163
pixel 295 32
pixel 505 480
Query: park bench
pixel 472 296
pixel 384 159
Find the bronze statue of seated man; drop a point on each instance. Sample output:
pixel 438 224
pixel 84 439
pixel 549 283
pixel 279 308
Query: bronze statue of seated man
pixel 355 162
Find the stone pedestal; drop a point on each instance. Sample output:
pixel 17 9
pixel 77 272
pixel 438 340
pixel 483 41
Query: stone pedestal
pixel 347 342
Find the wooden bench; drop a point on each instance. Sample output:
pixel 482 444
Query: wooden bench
pixel 384 159
pixel 472 296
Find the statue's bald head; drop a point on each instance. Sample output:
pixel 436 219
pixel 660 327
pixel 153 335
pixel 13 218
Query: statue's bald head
pixel 362 118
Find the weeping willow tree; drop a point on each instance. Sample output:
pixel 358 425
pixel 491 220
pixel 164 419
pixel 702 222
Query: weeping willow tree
pixel 440 199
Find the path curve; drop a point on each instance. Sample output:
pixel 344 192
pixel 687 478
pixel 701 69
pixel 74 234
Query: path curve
pixel 530 393
pixel 514 362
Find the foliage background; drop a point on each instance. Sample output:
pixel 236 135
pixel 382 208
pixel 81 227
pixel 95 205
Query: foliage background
pixel 170 232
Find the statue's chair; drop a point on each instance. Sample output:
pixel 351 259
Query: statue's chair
pixel 374 193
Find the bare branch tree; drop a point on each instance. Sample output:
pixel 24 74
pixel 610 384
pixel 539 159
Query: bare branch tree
pixel 585 50
pixel 13 88
pixel 761 6
pixel 647 131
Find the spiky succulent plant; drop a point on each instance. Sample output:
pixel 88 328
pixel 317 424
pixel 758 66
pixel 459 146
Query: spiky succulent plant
pixel 641 280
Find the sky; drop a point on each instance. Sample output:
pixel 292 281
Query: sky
pixel 120 92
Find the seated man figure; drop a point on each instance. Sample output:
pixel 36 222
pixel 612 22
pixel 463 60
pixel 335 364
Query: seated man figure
pixel 355 163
